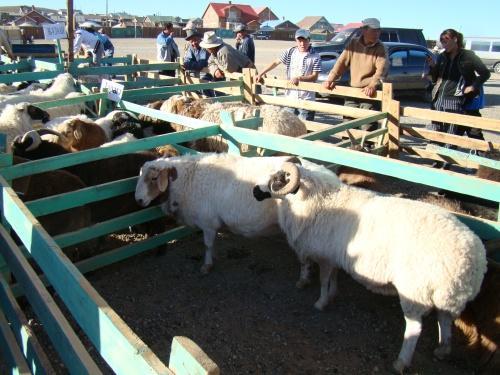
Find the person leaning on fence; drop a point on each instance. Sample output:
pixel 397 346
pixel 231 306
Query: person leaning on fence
pixel 366 59
pixel 5 46
pixel 244 42
pixel 458 76
pixel 85 38
pixel 166 47
pixel 195 57
pixel 302 65
pixel 109 48
pixel 223 58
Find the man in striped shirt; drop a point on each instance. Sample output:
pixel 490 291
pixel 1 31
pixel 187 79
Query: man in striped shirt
pixel 302 65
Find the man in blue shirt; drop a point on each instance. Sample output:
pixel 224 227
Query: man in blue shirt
pixel 195 58
pixel 244 42
pixel 166 47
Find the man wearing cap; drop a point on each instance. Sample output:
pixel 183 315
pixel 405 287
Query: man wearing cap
pixel 195 57
pixel 302 65
pixel 244 42
pixel 166 47
pixel 366 58
pixel 223 58
pixel 86 37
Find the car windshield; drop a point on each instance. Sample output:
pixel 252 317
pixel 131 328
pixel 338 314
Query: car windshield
pixel 342 36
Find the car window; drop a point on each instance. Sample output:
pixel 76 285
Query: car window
pixel 480 46
pixel 495 47
pixel 389 36
pixel 416 57
pixel 398 58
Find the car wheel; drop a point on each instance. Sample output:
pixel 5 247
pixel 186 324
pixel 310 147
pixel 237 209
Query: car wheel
pixel 496 68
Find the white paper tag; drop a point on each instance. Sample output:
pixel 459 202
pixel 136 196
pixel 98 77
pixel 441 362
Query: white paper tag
pixel 115 90
pixel 54 31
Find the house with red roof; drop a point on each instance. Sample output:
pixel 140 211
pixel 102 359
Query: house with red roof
pixel 228 15
pixel 265 14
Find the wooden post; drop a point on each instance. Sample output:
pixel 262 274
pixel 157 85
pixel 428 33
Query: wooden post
pixel 187 358
pixel 71 27
pixel 248 84
pixel 392 107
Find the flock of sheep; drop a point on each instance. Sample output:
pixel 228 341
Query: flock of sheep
pixel 391 245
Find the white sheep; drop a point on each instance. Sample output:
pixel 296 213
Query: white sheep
pixel 63 84
pixel 389 244
pixel 210 191
pixel 68 110
pixel 17 119
pixel 23 88
pixel 276 120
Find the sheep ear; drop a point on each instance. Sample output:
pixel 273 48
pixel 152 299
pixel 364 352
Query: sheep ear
pixel 77 133
pixel 162 180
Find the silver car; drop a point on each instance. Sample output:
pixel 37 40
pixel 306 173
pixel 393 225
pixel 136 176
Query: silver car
pixel 408 68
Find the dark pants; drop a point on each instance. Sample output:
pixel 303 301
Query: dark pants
pixel 362 104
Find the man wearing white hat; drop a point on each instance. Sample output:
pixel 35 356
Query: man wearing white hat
pixel 366 58
pixel 244 42
pixel 302 65
pixel 85 37
pixel 223 58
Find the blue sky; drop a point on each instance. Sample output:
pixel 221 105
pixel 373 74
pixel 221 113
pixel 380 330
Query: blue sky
pixel 481 18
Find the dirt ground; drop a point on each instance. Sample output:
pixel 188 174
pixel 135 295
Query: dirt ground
pixel 249 317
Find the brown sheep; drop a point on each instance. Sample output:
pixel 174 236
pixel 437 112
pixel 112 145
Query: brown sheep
pixel 50 183
pixel 478 327
pixel 78 135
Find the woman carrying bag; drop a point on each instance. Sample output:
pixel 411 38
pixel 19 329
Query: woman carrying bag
pixel 458 77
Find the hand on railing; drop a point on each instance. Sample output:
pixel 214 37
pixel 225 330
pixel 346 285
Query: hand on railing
pixel 295 81
pixel 329 85
pixel 259 77
pixel 369 91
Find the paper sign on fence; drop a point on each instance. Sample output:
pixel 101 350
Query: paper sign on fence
pixel 54 31
pixel 115 90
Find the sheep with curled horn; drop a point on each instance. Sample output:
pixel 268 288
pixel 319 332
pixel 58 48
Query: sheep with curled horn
pixel 422 253
pixel 17 119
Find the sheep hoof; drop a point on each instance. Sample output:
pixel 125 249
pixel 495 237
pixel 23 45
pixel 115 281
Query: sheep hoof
pixel 442 352
pixel 206 268
pixel 302 283
pixel 399 366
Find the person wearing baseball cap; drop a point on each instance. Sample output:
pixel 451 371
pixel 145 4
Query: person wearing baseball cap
pixel 366 59
pixel 302 65
pixel 223 58
pixel 244 42
pixel 195 57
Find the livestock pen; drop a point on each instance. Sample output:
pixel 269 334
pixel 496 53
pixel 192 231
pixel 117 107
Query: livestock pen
pixel 115 342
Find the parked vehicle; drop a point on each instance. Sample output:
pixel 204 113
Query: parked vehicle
pixel 388 34
pixel 261 35
pixel 407 68
pixel 487 49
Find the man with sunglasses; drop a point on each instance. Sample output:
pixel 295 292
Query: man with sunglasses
pixel 366 59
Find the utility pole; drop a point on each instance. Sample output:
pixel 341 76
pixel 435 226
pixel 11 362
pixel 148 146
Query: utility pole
pixel 71 26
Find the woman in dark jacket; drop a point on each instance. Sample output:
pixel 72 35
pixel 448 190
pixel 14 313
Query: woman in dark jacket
pixel 458 75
